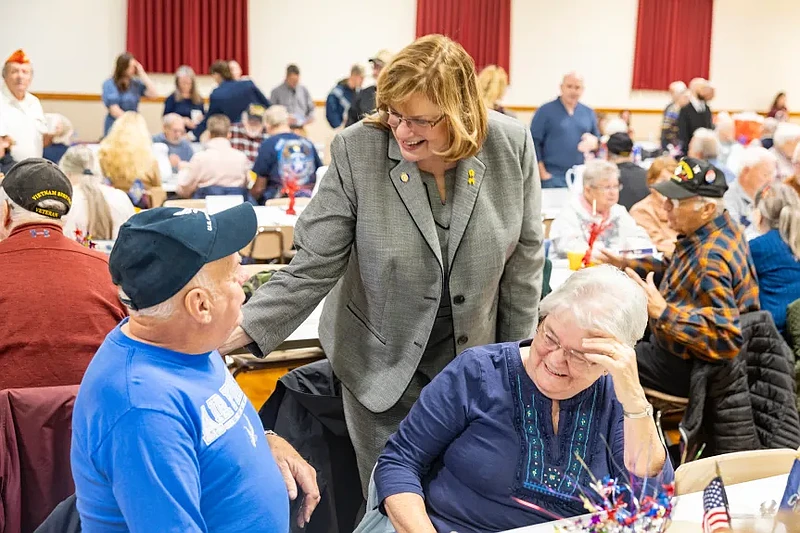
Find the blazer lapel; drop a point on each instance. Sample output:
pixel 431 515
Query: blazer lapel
pixel 469 176
pixel 406 179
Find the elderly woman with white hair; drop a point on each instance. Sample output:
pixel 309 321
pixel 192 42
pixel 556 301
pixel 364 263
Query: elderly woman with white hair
pixel 597 205
pixel 499 439
pixel 785 140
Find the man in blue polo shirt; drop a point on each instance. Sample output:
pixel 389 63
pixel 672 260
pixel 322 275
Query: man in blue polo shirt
pixel 163 437
pixel 563 130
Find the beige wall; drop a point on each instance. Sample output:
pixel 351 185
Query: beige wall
pixel 73 45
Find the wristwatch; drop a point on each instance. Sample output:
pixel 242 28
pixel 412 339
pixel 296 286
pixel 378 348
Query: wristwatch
pixel 648 411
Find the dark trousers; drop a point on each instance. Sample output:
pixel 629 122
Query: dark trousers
pixel 662 371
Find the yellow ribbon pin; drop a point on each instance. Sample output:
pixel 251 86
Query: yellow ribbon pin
pixel 471 179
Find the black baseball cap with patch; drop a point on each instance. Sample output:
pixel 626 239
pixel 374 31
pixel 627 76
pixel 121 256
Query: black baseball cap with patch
pixel 256 111
pixel 32 182
pixel 158 251
pixel 694 177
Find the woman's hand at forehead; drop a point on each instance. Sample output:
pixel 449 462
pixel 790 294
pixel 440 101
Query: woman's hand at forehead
pixel 620 361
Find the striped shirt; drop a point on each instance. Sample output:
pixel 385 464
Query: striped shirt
pixel 707 284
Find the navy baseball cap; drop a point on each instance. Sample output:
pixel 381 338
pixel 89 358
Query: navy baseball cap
pixel 158 251
pixel 694 177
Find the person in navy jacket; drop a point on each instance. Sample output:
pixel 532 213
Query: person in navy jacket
pixel 231 97
pixel 341 97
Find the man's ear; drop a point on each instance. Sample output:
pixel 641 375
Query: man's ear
pixel 198 304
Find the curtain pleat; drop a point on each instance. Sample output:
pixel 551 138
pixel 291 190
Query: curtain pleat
pixel 165 34
pixel 673 42
pixel 482 27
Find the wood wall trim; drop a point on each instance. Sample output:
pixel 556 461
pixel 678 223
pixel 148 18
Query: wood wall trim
pixel 82 97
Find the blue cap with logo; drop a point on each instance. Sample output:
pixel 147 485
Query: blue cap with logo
pixel 158 251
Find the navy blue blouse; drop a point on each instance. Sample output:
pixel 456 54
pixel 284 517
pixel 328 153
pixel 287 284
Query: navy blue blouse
pixel 481 435
pixel 183 107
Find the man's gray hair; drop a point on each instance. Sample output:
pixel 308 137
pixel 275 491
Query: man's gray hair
pixel 276 115
pixel 754 155
pixel 601 299
pixel 20 215
pixel 171 118
pixel 167 308
pixel 786 132
pixel 599 169
pixel 706 143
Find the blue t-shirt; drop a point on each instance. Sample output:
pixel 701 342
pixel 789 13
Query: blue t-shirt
pixel 778 272
pixel 287 155
pixel 481 435
pixel 166 441
pixel 556 134
pixel 126 100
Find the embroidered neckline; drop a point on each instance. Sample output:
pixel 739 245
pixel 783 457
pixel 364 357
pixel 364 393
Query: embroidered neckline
pixel 533 473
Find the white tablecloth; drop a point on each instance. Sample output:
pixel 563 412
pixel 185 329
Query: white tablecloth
pixel 744 499
pixel 276 216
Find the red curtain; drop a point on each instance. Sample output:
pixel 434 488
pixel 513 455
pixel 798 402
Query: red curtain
pixel 482 27
pixel 165 34
pixel 673 42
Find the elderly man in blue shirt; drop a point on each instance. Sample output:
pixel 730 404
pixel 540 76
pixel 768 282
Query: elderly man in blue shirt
pixel 563 130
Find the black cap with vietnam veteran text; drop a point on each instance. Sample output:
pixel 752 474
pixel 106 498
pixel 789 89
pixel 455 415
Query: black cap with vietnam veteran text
pixel 694 177
pixel 39 186
pixel 158 251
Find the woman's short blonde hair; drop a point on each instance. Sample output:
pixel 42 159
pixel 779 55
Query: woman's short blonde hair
pixel 126 153
pixel 442 71
pixel 492 83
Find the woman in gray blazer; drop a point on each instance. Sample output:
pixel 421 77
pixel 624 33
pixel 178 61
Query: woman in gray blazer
pixel 425 235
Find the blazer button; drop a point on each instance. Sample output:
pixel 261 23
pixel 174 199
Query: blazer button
pixel 459 299
pixel 463 339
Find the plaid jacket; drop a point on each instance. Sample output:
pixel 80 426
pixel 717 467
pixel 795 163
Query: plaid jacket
pixel 707 284
pixel 244 143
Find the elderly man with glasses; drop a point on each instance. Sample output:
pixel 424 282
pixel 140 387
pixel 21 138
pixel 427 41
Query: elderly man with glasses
pixel 598 207
pixel 707 284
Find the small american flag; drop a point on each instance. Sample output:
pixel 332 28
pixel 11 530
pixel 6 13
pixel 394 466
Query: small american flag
pixel 715 507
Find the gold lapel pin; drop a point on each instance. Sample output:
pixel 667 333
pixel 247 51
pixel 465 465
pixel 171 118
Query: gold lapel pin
pixel 404 177
pixel 471 179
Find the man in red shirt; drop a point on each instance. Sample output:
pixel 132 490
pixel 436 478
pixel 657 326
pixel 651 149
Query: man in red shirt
pixel 57 301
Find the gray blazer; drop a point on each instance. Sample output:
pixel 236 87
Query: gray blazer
pixel 368 238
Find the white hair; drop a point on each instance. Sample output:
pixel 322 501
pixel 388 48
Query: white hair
pixel 786 132
pixel 167 308
pixel 20 216
pixel 706 143
pixel 754 155
pixel 276 115
pixel 723 117
pixel 601 298
pixel 599 169
pixel 769 126
pixel 676 88
pixel 171 118
pixel 615 125
pixel 719 204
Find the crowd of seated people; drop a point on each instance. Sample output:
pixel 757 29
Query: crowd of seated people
pixel 715 226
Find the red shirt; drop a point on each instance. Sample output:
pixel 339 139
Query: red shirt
pixel 57 303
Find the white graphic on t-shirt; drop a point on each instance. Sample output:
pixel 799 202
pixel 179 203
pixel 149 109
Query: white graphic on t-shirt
pixel 250 431
pixel 218 415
